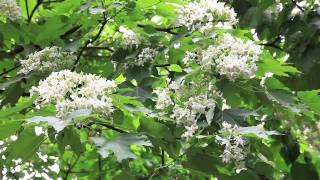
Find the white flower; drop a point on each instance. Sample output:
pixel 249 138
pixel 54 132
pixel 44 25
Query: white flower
pixel 146 55
pixel 202 15
pixel 265 77
pixel 129 38
pixel 70 91
pixel 38 130
pixel 234 146
pixel 183 116
pixel 189 57
pixel 163 99
pixel 10 9
pixel 190 131
pixel 230 56
pixel 47 60
pixel 200 103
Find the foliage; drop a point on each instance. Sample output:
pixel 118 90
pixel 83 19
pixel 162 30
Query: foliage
pixel 159 89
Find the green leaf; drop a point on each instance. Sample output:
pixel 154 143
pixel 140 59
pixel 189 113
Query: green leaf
pixel 269 64
pixel 26 144
pixel 155 129
pixel 301 171
pixel 258 131
pixel 56 123
pixel 311 98
pixel 69 136
pixel 9 128
pixel 120 146
pixel 8 111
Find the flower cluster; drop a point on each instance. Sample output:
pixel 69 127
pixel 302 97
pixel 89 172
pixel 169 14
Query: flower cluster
pixel 129 38
pixel 71 91
pixel 229 56
pixel 234 146
pixel 146 55
pixel 10 9
pixel 47 60
pixel 202 15
pixel 163 99
pixel 181 102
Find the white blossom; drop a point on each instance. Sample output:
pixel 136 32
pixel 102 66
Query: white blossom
pixel 10 9
pixel 189 57
pixel 146 55
pixel 70 91
pixel 229 56
pixel 129 38
pixel 234 146
pixel 202 15
pixel 47 60
pixel 163 99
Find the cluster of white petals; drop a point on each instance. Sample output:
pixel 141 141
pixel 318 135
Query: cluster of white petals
pixel 202 15
pixel 163 99
pixel 70 91
pixel 234 146
pixel 146 55
pixel 47 60
pixel 183 104
pixel 229 56
pixel 10 9
pixel 129 38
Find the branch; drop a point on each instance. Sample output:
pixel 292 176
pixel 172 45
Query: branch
pixel 167 30
pixel 39 2
pixel 162 158
pixel 111 127
pixel 70 31
pixel 9 70
pixel 27 8
pixel 70 167
pixel 298 6
pixel 101 48
pixel 91 40
pixel 162 65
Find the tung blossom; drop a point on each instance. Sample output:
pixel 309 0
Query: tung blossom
pixel 47 60
pixel 10 9
pixel 203 15
pixel 70 91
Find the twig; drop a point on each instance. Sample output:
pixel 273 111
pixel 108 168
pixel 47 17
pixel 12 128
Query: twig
pixel 162 158
pixel 9 70
pixel 167 30
pixel 70 31
pixel 70 167
pixel 110 127
pixel 91 40
pixel 298 6
pixel 100 168
pixel 39 2
pixel 100 48
pixel 162 65
pixel 27 8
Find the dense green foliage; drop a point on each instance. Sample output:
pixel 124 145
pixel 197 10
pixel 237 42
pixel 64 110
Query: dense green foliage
pixel 275 113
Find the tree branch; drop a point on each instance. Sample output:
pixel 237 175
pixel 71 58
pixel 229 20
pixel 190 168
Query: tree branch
pixel 101 48
pixel 70 167
pixel 91 40
pixel 27 8
pixel 9 70
pixel 70 31
pixel 167 30
pixel 298 6
pixel 39 2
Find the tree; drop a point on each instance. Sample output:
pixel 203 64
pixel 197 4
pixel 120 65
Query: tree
pixel 159 89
